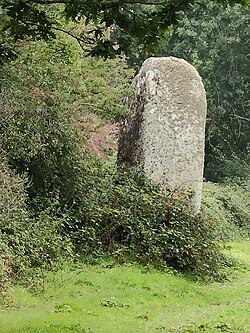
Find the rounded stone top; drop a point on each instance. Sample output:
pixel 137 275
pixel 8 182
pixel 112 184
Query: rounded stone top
pixel 164 64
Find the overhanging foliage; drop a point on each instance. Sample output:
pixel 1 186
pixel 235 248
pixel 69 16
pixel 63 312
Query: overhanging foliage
pixel 102 27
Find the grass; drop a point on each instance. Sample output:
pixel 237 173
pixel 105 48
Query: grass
pixel 131 299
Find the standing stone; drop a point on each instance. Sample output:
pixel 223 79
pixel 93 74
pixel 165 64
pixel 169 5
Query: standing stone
pixel 164 138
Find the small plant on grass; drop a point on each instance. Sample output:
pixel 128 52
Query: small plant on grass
pixel 204 328
pixel 112 302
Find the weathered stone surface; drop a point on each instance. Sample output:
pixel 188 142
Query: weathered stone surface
pixel 164 138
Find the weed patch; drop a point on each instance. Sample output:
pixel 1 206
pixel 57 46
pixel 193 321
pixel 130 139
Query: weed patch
pixel 113 303
pixel 204 328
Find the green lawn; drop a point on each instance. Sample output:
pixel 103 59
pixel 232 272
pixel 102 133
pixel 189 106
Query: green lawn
pixel 130 299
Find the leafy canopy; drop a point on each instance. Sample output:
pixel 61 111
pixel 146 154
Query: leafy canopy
pixel 102 27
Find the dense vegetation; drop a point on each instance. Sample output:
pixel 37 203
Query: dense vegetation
pixel 217 43
pixel 59 203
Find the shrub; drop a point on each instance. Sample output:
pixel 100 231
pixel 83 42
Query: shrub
pixel 27 244
pixel 124 214
pixel 12 197
pixel 227 204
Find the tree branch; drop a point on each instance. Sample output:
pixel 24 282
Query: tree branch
pixel 79 39
pixel 239 117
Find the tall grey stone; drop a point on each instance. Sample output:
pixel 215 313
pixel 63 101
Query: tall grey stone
pixel 164 138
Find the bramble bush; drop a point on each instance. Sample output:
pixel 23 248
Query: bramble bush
pixel 127 216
